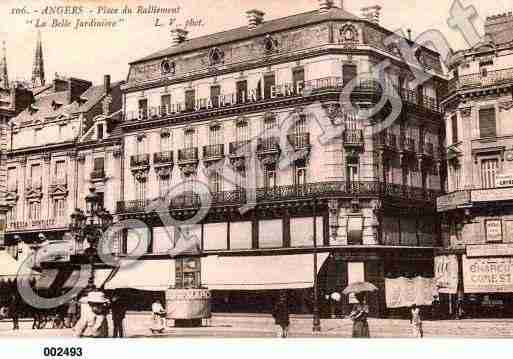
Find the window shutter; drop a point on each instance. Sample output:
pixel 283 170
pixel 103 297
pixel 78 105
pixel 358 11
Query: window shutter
pixel 487 123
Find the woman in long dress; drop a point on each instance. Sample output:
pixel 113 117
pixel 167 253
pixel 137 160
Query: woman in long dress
pixel 359 317
pixel 416 322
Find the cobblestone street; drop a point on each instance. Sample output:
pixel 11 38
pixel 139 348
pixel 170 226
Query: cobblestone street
pixel 137 326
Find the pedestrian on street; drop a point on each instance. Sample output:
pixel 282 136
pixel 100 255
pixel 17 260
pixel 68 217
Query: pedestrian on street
pixel 118 310
pixel 94 324
pixel 158 317
pixel 14 307
pixel 359 317
pixel 72 312
pixel 416 322
pixel 281 315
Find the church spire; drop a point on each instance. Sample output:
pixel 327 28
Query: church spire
pixel 4 77
pixel 38 71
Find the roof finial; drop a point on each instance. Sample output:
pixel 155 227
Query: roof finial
pixel 38 71
pixel 4 77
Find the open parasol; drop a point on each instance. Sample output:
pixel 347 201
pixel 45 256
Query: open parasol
pixel 359 287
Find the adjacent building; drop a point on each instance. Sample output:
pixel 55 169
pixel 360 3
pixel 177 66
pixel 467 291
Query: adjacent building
pixel 477 212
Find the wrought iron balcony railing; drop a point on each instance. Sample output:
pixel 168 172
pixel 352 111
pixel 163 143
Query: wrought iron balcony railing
pixel 386 140
pixel 299 141
pixel 292 192
pixel 407 144
pixel 353 137
pixel 239 148
pixel 140 160
pixel 213 151
pixel 188 154
pixel 483 79
pixel 164 157
pixel 268 144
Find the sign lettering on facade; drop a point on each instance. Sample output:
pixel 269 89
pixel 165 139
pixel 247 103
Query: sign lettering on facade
pixel 487 275
pixel 446 274
pixel 493 229
pixel 504 180
pixel 490 250
pixel 452 201
pixel 404 292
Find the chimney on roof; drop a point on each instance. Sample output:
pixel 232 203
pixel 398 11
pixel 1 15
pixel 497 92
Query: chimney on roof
pixel 255 18
pixel 371 13
pixel 106 83
pixel 325 5
pixel 178 36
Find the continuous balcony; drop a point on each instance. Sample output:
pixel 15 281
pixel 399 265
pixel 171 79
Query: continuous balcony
pixel 140 160
pixel 300 141
pixel 163 158
pixel 365 89
pixel 187 155
pixel 268 145
pixel 407 145
pixel 213 152
pixel 320 190
pixel 482 80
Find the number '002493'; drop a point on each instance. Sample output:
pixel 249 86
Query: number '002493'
pixel 62 352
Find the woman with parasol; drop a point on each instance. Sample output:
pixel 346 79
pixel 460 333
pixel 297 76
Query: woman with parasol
pixel 361 309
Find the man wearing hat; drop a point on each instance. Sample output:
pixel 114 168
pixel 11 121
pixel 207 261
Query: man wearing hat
pixel 94 324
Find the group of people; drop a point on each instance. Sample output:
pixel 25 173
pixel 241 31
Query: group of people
pixel 358 316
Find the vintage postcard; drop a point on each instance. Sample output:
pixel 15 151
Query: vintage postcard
pixel 256 169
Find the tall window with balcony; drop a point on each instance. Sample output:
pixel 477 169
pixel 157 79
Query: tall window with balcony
pixel 489 170
pixel 165 104
pixel 270 177
pixel 455 176
pixel 35 176
pixel 12 179
pixel 215 94
pixel 487 123
pixel 98 168
pixel 215 181
pixel 349 72
pixel 269 83
pixel 60 173
pixel 59 209
pixel 352 173
pixel 242 91
pixel 35 211
pixel 298 79
pixel 143 109
pixel 454 128
pixel 190 100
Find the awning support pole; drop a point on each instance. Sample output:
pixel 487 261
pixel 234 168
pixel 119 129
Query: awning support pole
pixel 316 314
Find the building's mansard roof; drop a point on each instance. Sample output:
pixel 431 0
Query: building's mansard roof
pixel 244 32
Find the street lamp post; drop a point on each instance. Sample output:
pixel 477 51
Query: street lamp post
pixel 316 314
pixel 90 227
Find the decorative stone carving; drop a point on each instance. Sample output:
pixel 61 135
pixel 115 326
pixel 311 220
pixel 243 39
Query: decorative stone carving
pixel 270 44
pixel 466 112
pixel 188 169
pixel 505 105
pixel 140 137
pixel 215 56
pixel 141 174
pixel 117 151
pixel 81 157
pixel 22 160
pixel 269 159
pixel 47 157
pixel 165 132
pixel 349 36
pixel 167 67
pixel 239 163
pixel 164 172
pixel 333 206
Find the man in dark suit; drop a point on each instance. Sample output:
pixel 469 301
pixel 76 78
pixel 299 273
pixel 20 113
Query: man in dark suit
pixel 118 309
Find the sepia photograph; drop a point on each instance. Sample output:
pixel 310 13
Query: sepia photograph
pixel 255 169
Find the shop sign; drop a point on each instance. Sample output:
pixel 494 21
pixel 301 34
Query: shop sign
pixel 493 229
pixel 490 250
pixel 504 181
pixel 452 201
pixel 491 195
pixel 403 292
pixel 446 274
pixel 488 275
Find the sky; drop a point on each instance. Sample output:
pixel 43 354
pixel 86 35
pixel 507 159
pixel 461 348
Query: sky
pixel 92 52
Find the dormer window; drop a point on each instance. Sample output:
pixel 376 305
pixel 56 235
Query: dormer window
pixel 168 67
pixel 99 131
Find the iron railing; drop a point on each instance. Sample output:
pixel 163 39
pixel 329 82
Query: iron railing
pixel 239 148
pixel 213 151
pixel 268 144
pixel 482 79
pixel 188 154
pixel 163 157
pixel 299 140
pixel 353 137
pixel 140 160
pixel 386 140
pixel 291 192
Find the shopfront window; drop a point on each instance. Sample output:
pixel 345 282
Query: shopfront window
pixel 270 233
pixel 188 273
pixel 241 235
